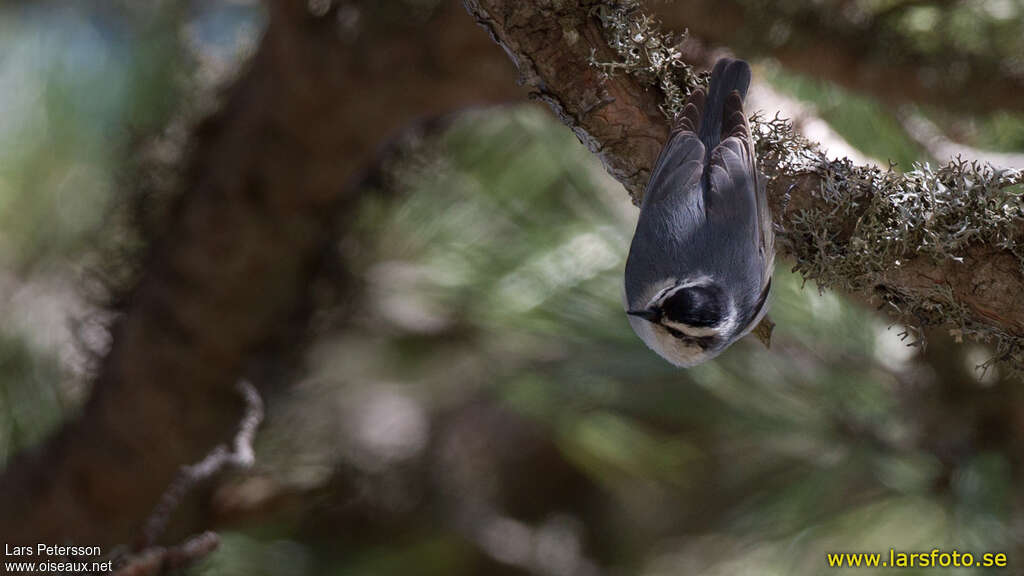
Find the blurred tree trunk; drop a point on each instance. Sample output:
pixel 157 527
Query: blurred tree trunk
pixel 270 176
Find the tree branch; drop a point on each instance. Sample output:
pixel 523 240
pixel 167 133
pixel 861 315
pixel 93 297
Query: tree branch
pixel 619 121
pixel 859 57
pixel 241 455
pixel 268 177
pixel 930 137
pixel 937 247
pixel 159 560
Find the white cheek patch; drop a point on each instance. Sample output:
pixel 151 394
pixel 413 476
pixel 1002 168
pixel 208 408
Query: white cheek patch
pixel 678 352
pixel 695 331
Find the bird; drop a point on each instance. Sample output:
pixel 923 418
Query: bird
pixel 699 271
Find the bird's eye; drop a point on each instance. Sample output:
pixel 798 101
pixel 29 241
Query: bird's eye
pixel 675 333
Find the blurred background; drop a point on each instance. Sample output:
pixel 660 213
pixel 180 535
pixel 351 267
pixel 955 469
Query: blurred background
pixel 478 404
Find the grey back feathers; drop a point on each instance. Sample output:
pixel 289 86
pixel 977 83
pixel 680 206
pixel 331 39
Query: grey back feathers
pixel 705 222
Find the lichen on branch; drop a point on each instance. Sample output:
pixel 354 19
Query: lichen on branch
pixel 899 219
pixel 911 239
pixel 647 52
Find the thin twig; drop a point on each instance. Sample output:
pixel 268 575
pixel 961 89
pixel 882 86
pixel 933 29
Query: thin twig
pixel 242 456
pixel 158 560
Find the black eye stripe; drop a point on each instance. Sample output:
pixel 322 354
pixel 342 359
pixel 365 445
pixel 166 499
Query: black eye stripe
pixel 703 341
pixel 697 306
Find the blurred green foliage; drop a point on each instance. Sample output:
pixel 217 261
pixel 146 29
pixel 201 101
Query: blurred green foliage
pixel 31 402
pixel 989 28
pixel 868 125
pixel 505 251
pixel 79 88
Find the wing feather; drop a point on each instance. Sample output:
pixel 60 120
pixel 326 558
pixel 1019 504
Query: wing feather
pixel 734 174
pixel 681 162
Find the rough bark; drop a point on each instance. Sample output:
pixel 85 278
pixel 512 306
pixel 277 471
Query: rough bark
pixel 267 177
pixel 619 121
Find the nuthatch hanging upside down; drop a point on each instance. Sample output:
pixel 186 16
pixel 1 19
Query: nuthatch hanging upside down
pixel 700 267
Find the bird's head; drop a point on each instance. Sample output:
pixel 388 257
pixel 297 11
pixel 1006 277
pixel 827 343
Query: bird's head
pixel 688 323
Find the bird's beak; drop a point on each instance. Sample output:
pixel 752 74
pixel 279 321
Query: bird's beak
pixel 646 314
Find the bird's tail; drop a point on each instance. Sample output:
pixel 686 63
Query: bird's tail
pixel 729 74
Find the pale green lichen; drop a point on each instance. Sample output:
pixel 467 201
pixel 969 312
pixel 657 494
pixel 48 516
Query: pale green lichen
pixel 924 213
pixel 868 221
pixel 647 52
